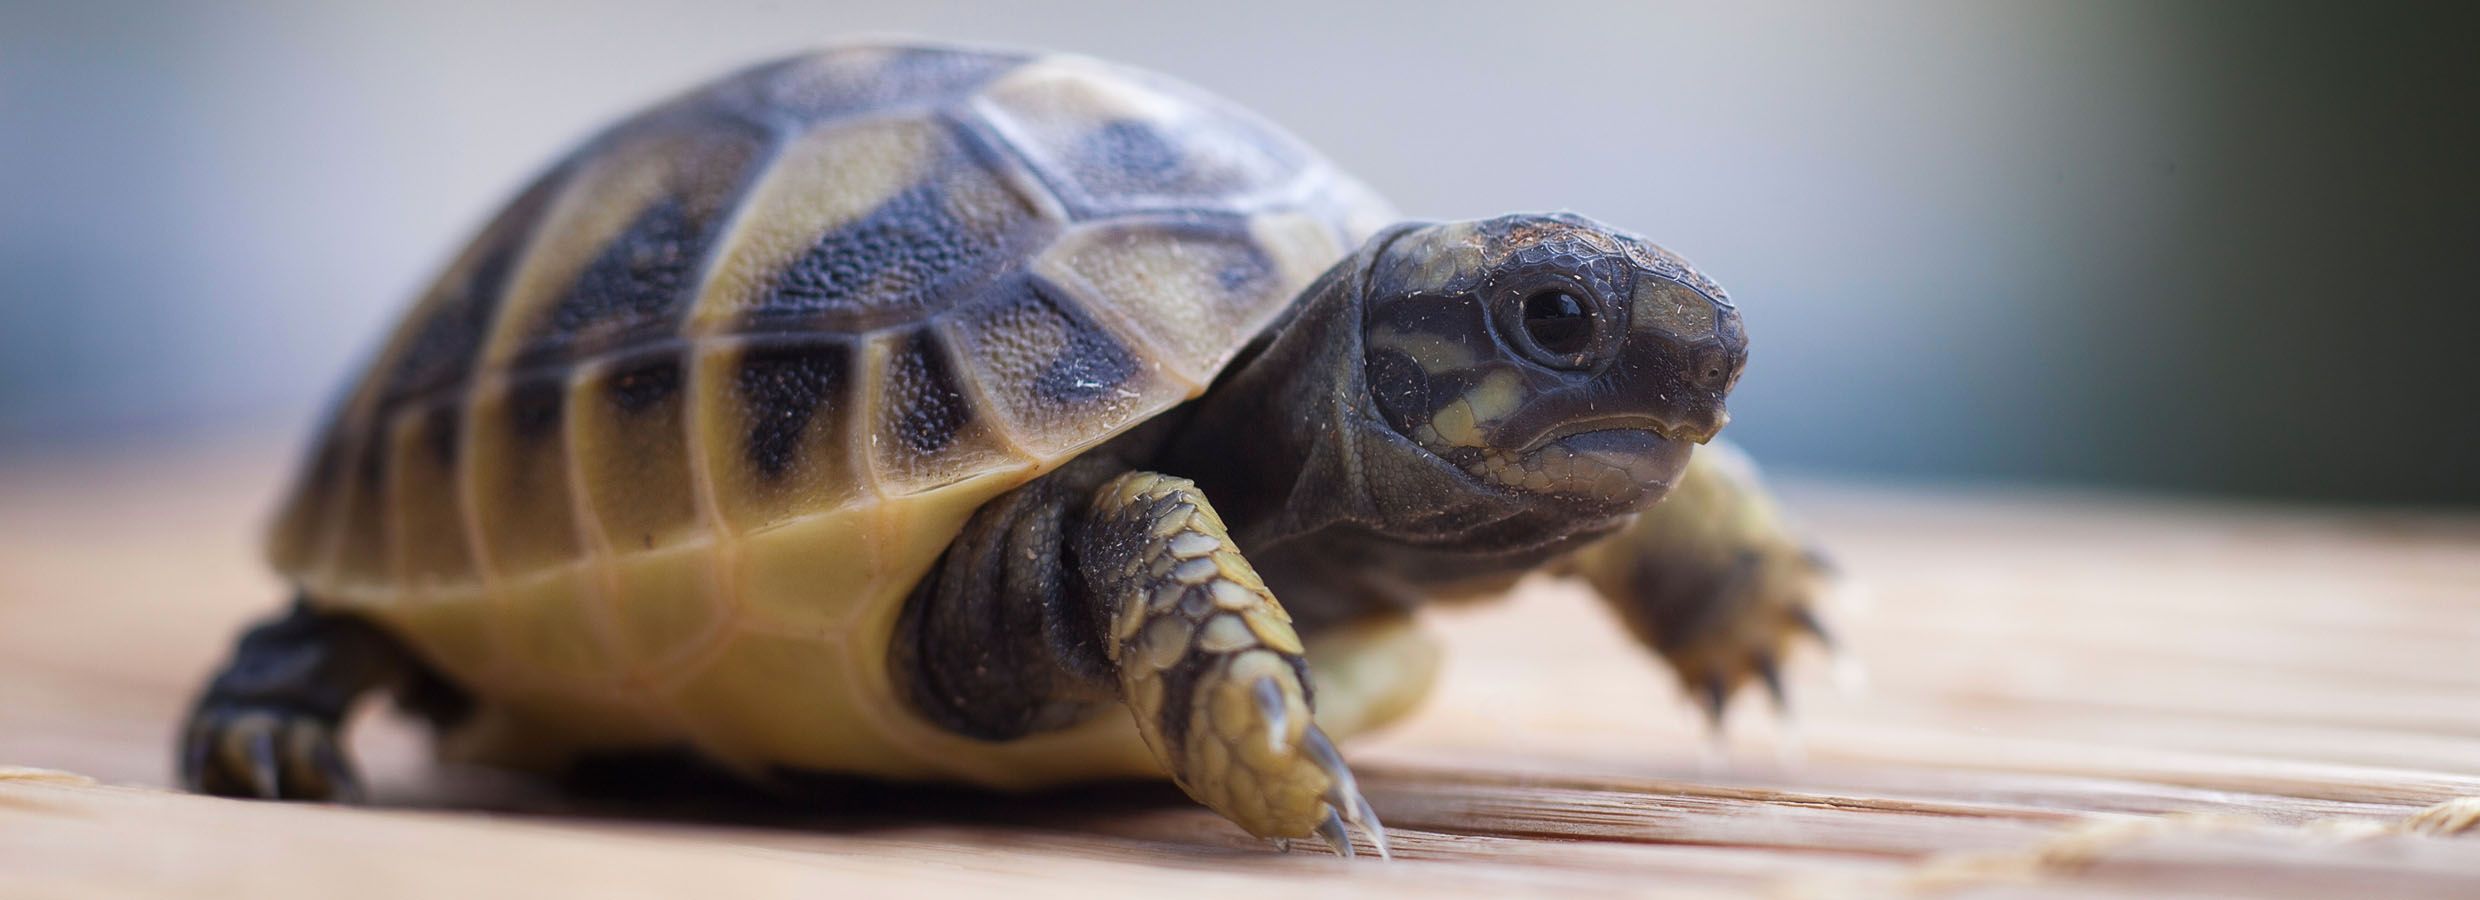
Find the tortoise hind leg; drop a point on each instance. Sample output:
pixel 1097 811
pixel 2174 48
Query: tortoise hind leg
pixel 269 723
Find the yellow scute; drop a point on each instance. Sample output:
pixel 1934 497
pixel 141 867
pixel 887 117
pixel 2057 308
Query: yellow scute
pixel 549 630
pixel 768 699
pixel 458 634
pixel 665 606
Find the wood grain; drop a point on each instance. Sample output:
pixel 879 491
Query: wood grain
pixel 2066 695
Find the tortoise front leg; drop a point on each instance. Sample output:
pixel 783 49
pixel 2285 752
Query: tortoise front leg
pixel 1208 663
pixel 1090 587
pixel 1713 579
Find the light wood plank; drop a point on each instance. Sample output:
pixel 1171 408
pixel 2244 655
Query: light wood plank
pixel 2067 695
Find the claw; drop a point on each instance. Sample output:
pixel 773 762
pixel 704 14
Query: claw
pixel 1282 845
pixel 1269 698
pixel 1343 793
pixel 267 754
pixel 1712 699
pixel 266 766
pixel 1321 752
pixel 1770 674
pixel 1806 620
pixel 1712 696
pixel 328 760
pixel 315 754
pixel 1367 819
pixel 1332 832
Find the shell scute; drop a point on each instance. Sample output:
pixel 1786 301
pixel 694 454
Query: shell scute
pixel 620 255
pixel 631 450
pixel 806 90
pixel 868 224
pixel 1051 367
pixel 516 476
pixel 928 432
pixel 433 552
pixel 1112 142
pixel 778 422
pixel 1191 290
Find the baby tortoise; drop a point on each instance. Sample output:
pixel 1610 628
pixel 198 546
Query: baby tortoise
pixel 902 412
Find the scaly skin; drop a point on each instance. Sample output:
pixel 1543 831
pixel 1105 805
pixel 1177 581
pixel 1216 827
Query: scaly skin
pixel 1208 663
pixel 1713 579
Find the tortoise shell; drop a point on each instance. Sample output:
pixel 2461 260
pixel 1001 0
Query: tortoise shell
pixel 659 456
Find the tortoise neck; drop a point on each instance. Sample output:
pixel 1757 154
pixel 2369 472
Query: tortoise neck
pixel 1289 441
pixel 1269 441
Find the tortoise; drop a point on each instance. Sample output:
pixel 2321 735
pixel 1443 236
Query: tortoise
pixel 909 412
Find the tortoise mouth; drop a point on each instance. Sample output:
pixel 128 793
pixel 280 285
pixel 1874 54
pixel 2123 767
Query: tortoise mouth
pixel 1592 425
pixel 1591 473
pixel 1627 466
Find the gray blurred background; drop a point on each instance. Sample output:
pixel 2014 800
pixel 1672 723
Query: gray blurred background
pixel 2209 248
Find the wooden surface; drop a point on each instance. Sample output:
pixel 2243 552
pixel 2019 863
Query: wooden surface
pixel 2064 696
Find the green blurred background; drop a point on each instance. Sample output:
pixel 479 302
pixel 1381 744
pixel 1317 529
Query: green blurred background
pixel 2207 248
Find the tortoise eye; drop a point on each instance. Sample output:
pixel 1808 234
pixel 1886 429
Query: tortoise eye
pixel 1559 325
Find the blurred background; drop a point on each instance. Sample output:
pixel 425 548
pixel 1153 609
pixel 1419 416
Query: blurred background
pixel 2226 249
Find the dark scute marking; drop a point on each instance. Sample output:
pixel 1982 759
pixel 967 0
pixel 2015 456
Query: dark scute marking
pixel 439 432
pixel 445 346
pixel 372 465
pixel 890 265
pixel 641 385
pixel 929 409
pixel 444 349
pixel 1093 364
pixel 807 90
pixel 535 406
pixel 782 388
pixel 1083 374
pixel 638 282
pixel 1134 150
pixel 1197 162
pixel 1246 268
pixel 1235 277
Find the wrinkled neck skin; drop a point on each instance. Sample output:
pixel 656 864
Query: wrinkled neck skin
pixel 1340 513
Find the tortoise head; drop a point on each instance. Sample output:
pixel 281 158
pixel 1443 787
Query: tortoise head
pixel 1549 356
